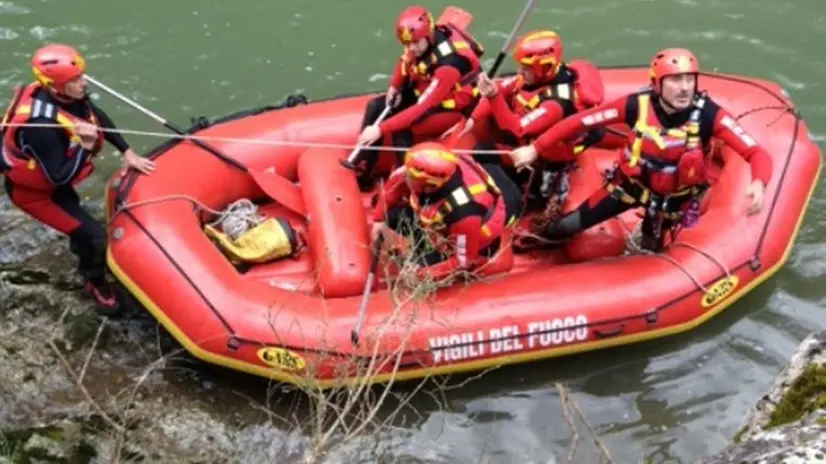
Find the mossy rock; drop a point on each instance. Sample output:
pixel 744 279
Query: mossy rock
pixel 64 443
pixel 805 395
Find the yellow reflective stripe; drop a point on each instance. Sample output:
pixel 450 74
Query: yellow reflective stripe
pixel 476 189
pixel 645 192
pixel 66 123
pixel 530 104
pixel 486 230
pixel 624 197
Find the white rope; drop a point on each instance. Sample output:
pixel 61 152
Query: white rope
pixel 238 217
pixel 633 247
pixel 235 219
pixel 254 141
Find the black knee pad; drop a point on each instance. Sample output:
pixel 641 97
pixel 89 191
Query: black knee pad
pixel 373 110
pixel 568 225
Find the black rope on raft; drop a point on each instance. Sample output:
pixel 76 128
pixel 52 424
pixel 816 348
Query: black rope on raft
pixel 292 100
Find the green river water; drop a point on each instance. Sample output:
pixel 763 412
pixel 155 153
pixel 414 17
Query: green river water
pixel 674 400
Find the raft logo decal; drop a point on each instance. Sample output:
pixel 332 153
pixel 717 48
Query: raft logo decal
pixel 281 358
pixel 509 339
pixel 719 291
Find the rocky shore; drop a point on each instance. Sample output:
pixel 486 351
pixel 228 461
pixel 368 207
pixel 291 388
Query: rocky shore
pixel 77 388
pixel 788 424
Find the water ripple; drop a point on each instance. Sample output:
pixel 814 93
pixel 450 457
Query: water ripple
pixel 8 34
pixel 11 8
pixel 42 33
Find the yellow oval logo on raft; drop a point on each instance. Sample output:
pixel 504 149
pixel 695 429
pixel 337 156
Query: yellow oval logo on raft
pixel 719 291
pixel 281 358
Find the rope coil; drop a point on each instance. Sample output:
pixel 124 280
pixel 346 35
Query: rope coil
pixel 238 217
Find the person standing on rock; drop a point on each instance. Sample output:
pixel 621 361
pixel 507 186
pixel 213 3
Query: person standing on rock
pixel 50 137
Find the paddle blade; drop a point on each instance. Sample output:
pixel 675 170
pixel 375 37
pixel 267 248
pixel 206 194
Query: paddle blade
pixel 456 16
pixel 281 190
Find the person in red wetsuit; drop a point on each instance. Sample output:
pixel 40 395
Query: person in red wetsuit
pixel 427 88
pixel 663 166
pixel 41 165
pixel 463 207
pixel 545 91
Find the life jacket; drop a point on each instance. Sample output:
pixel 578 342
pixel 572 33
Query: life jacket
pixel 577 86
pixel 449 40
pixel 32 102
pixel 471 188
pixel 668 161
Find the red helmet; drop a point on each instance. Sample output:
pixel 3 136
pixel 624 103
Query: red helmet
pixel 541 51
pixel 413 24
pixel 56 64
pixel 429 164
pixel 670 62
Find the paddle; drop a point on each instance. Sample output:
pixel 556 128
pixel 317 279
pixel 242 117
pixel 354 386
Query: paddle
pixel 451 14
pixel 457 131
pixel 275 186
pixel 374 264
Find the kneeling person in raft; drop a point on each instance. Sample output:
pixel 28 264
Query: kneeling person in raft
pixel 461 207
pixel 663 167
pixel 426 90
pixel 544 91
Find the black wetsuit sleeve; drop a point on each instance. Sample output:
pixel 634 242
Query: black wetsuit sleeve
pixel 48 147
pixel 112 137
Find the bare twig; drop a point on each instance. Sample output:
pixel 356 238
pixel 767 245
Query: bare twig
pixel 571 410
pixel 569 419
pixel 91 350
pixel 69 370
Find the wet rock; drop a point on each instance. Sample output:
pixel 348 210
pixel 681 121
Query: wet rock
pixel 787 425
pixel 75 387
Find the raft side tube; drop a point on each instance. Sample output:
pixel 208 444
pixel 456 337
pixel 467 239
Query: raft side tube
pixel 337 222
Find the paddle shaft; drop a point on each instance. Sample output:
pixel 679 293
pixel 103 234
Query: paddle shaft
pixel 504 51
pixel 365 296
pixel 164 122
pixel 351 159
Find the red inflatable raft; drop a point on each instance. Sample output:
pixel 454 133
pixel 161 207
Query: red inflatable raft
pixel 291 319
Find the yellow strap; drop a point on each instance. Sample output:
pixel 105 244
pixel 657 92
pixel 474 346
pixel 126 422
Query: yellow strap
pixel 66 123
pixel 624 197
pixel 476 189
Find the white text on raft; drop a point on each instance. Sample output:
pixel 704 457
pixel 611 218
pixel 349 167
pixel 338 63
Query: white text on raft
pixel 508 339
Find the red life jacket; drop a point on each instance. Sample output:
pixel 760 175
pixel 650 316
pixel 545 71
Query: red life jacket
pixel 450 40
pixel 577 86
pixel 18 166
pixel 667 161
pixel 477 189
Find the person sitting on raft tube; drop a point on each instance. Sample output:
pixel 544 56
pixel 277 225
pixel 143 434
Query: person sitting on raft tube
pixel 463 206
pixel 42 164
pixel 544 91
pixel 427 93
pixel 663 166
